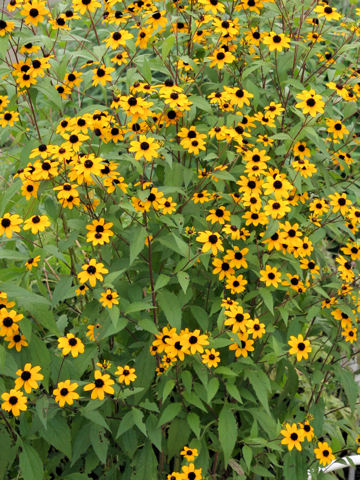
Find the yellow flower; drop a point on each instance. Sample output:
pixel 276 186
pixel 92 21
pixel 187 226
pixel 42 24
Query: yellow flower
pixel 64 393
pixel 14 402
pixel 126 374
pixel 71 344
pixel 324 453
pixel 9 224
pixel 28 378
pixel 276 41
pixel 293 436
pixel 37 223
pixel 211 358
pixel 32 262
pixel 311 103
pixel 109 298
pixel 145 148
pixel 92 271
pixel 100 386
pixel 299 347
pixel 189 453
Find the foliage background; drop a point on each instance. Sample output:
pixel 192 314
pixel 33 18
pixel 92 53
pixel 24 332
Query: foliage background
pixel 232 414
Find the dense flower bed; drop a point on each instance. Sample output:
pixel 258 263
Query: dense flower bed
pixel 179 223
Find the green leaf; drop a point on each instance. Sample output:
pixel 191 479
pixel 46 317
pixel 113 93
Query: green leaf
pixel 266 295
pixel 138 416
pixel 348 383
pixel 248 455
pixel 212 388
pixel 5 447
pixel 99 442
pixel 184 280
pixel 95 417
pixel 167 46
pixel 194 423
pixel 169 385
pixel 227 432
pixel 22 296
pixel 58 434
pixel 161 281
pixel 260 383
pixel 169 413
pixel 126 423
pixel 63 290
pixel 201 103
pixel 137 243
pixel 146 463
pixel 30 463
pixel 50 93
pixel 169 304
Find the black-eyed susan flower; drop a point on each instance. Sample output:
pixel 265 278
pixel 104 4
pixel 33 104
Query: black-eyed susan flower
pixel 102 75
pixel 255 328
pixel 65 393
pixel 196 341
pixel 14 402
pixel 32 262
pixel 29 189
pixel 34 12
pixel 340 202
pixel 178 346
pixel 211 357
pixel 243 345
pixel 126 374
pixel 201 197
pixel 109 298
pixel 93 331
pixel 301 150
pixel 236 284
pixel 324 453
pixel 92 271
pixel 218 215
pixel 220 58
pixel 6 27
pixel 168 207
pixel 8 118
pixel 28 378
pixel 82 6
pixel 308 430
pixel 118 39
pixel 211 241
pixel 162 338
pixel 276 41
pixel 100 386
pixel 189 453
pixel 311 103
pixel 191 473
pixel 71 344
pixel 9 322
pixel 81 290
pixel 270 276
pixel 37 223
pixel 9 224
pixel 350 334
pixel 16 340
pixel 222 268
pixel 99 232
pixel 146 147
pixel 337 129
pixel 326 11
pixel 236 318
pixel 299 347
pixel 293 436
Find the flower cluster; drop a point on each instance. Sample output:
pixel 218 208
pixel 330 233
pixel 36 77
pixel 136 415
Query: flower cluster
pixel 179 226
